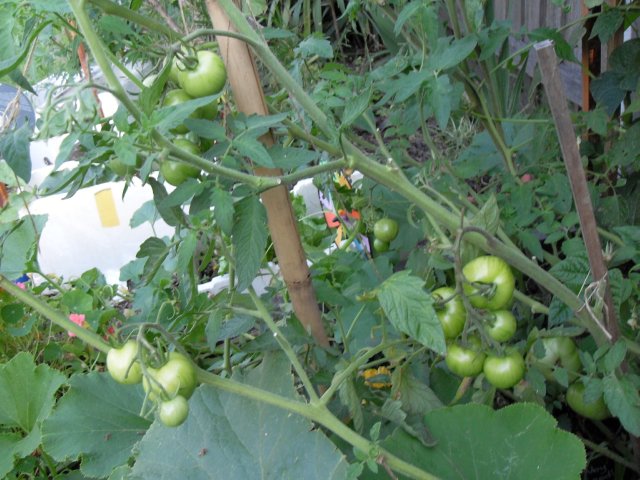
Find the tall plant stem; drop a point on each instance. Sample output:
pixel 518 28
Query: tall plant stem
pixel 53 315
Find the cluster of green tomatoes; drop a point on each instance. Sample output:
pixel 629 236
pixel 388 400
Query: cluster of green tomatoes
pixel 488 286
pixel 199 76
pixel 169 385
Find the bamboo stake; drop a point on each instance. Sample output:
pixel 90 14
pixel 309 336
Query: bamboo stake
pixel 247 91
pixel 566 134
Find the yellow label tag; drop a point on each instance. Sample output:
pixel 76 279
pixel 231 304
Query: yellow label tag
pixel 107 208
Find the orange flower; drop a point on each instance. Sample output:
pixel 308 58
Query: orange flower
pixel 78 319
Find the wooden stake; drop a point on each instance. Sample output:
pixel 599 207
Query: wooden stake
pixel 568 143
pixel 249 98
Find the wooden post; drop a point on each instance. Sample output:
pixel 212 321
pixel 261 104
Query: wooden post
pixel 568 143
pixel 249 98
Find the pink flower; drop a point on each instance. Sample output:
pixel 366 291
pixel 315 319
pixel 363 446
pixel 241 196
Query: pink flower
pixel 78 319
pixel 21 285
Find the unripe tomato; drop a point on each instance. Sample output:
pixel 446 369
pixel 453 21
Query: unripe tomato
pixel 121 169
pixel 175 172
pixel 494 274
pixel 122 363
pixel 182 367
pixel 174 412
pixel 379 246
pixel 504 371
pixel 207 78
pixel 452 314
pixel 558 351
pixel 385 229
pixel 596 410
pixel 465 361
pixel 502 325
pixel 177 97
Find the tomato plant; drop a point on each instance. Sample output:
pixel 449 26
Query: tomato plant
pixel 206 78
pixel 123 365
pixel 450 311
pixel 501 325
pixel 490 282
pixel 595 410
pixel 465 361
pixel 174 412
pixel 504 371
pixel 385 230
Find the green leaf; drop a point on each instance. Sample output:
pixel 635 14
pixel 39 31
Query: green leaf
pixel 19 248
pixel 186 250
pixel 77 301
pixel 626 149
pixel 410 309
pixel 97 420
pixel 623 401
pixel 26 391
pixel 173 215
pixel 597 120
pixel 291 158
pixel 562 47
pixel 166 118
pixel 356 105
pixel 572 271
pixel 416 396
pixel 13 62
pixel 14 149
pixel 607 24
pixel 440 98
pixel 223 209
pixel 26 398
pixel 312 46
pixel 593 3
pixel 249 239
pixel 408 12
pixel 607 92
pixel 239 438
pixel 449 52
pixel 254 150
pixel 156 251
pixel 520 441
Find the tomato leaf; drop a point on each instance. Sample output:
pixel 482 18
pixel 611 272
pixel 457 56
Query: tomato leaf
pixel 474 441
pixel 254 150
pixel 623 400
pixel 98 420
pixel 410 309
pixel 249 239
pixel 243 438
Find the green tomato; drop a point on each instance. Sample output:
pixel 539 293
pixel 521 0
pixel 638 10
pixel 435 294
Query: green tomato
pixel 558 351
pixel 183 368
pixel 177 97
pixel 501 325
pixel 596 410
pixel 504 371
pixel 494 281
pixel 207 78
pixel 379 246
pixel 452 314
pixel 122 363
pixel 174 412
pixel 176 173
pixel 174 71
pixel 163 384
pixel 385 229
pixel 121 169
pixel 465 361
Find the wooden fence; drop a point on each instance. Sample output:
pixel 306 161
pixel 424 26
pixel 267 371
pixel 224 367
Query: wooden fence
pixel 532 14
